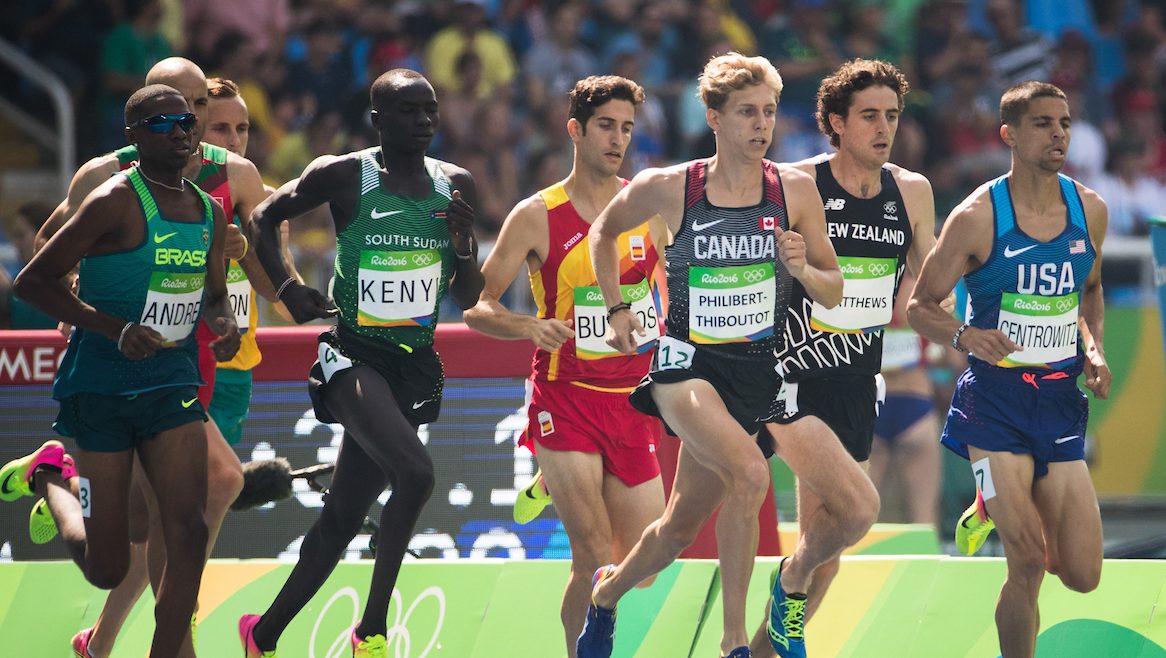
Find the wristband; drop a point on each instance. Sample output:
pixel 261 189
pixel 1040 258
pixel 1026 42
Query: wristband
pixel 622 306
pixel 283 286
pixel 955 339
pixel 466 257
pixel 121 337
pixel 246 244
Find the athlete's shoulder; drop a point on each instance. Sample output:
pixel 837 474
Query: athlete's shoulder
pixel 907 178
pixel 794 177
pixel 94 172
pixel 810 165
pixel 975 209
pixel 531 209
pixel 663 175
pixel 1090 199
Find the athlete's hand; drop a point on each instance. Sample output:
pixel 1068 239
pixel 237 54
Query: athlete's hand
pixel 1097 374
pixel 227 343
pixel 236 244
pixel 459 217
pixel 990 345
pixel 550 334
pixel 140 342
pixel 791 250
pixel 622 329
pixel 306 303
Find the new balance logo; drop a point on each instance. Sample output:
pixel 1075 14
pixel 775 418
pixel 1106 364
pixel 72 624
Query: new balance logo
pixel 835 204
pixel 381 215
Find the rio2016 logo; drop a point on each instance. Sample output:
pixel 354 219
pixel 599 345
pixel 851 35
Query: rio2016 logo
pixel 399 639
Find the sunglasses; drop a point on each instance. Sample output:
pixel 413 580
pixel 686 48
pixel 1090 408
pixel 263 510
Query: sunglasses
pixel 163 124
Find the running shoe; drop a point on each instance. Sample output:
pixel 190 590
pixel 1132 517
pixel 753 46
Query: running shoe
pixel 740 652
pixel 531 501
pixel 81 643
pixel 247 637
pixel 372 646
pixel 974 526
pixel 16 476
pixel 598 634
pixel 787 614
pixel 42 527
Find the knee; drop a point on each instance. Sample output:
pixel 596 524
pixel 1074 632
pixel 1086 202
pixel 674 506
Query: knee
pixel 224 482
pixel 862 509
pixel 749 484
pixel 591 552
pixel 109 574
pixel 1026 561
pixel 189 532
pixel 1082 578
pixel 415 479
pixel 676 534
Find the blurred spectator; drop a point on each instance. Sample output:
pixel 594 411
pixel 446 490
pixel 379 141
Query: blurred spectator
pixel 20 231
pixel 942 38
pixel 1111 18
pixel 865 34
pixel 553 64
pixel 491 157
pixel 710 23
pixel 264 22
pixel 647 146
pixel 1143 77
pixel 652 41
pixel 1019 53
pixel 237 60
pixel 1073 73
pixel 128 52
pixel 1131 194
pixel 322 136
pixel 384 43
pixel 543 169
pixel 470 32
pixel 323 80
pixel 1087 148
pixel 968 137
pixel 804 50
pixel 1139 113
pixel 459 105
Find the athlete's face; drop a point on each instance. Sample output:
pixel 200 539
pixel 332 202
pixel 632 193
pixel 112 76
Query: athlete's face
pixel 407 117
pixel 745 122
pixel 228 124
pixel 868 130
pixel 1041 137
pixel 609 131
pixel 168 150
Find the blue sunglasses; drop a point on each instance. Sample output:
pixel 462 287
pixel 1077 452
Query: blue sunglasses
pixel 162 124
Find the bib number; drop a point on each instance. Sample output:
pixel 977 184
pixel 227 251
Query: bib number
pixel 868 292
pixel 673 354
pixel 331 361
pixel 239 291
pixel 731 304
pixel 173 304
pixel 398 288
pixel 591 320
pixel 1045 326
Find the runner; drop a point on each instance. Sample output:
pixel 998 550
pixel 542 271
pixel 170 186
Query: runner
pixel 1028 244
pixel 590 442
pixel 741 228
pixel 404 227
pixel 127 384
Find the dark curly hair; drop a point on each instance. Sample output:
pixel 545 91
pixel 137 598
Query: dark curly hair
pixel 837 91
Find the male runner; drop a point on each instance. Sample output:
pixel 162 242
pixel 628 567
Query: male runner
pixel 148 244
pixel 880 219
pixel 235 184
pixel 1028 244
pixel 740 228
pixel 404 238
pixel 591 444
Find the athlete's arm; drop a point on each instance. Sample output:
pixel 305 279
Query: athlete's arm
pixel 88 178
pixel 99 226
pixel 524 238
pixel 1092 321
pixel 805 249
pixel 247 191
pixel 651 192
pixel 217 311
pixel 466 283
pixel 920 201
pixel 322 182
pixel 966 241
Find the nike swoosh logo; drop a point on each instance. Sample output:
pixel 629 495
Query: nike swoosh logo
pixel 1009 252
pixel 186 403
pixel 418 405
pixel 700 227
pixel 388 213
pixel 159 239
pixel 1065 439
pixel 6 487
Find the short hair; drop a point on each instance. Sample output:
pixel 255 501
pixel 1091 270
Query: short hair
pixel 596 90
pixel 727 73
pixel 836 93
pixel 389 81
pixel 221 88
pixel 1014 102
pixel 133 109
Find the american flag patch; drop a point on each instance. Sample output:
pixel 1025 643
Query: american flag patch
pixel 1077 247
pixel 437 214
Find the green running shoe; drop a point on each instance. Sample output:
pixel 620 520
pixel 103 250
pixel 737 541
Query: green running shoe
pixel 372 646
pixel 973 528
pixel 531 501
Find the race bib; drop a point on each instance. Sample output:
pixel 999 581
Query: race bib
pixel 398 288
pixel 591 320
pixel 673 354
pixel 239 292
pixel 730 304
pixel 1045 326
pixel 901 349
pixel 868 289
pixel 173 303
pixel 331 361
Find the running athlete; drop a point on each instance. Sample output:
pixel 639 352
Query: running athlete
pixel 1028 244
pixel 404 238
pixel 880 219
pixel 904 445
pixel 741 228
pixel 148 244
pixel 235 184
pixel 591 444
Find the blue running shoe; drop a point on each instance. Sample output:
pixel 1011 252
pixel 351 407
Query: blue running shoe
pixel 598 634
pixel 787 613
pixel 740 652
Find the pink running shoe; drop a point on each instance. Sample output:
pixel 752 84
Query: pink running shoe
pixel 247 637
pixel 81 643
pixel 16 476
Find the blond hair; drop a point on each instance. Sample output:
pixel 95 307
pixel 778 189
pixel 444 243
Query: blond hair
pixel 727 73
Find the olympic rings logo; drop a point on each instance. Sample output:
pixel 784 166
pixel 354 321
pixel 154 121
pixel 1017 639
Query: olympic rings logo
pixel 637 293
pixel 878 269
pixel 890 207
pixel 753 276
pixel 422 259
pixel 398 637
pixel 1064 305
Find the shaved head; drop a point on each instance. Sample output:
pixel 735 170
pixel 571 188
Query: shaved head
pixel 390 82
pixel 140 103
pixel 185 76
